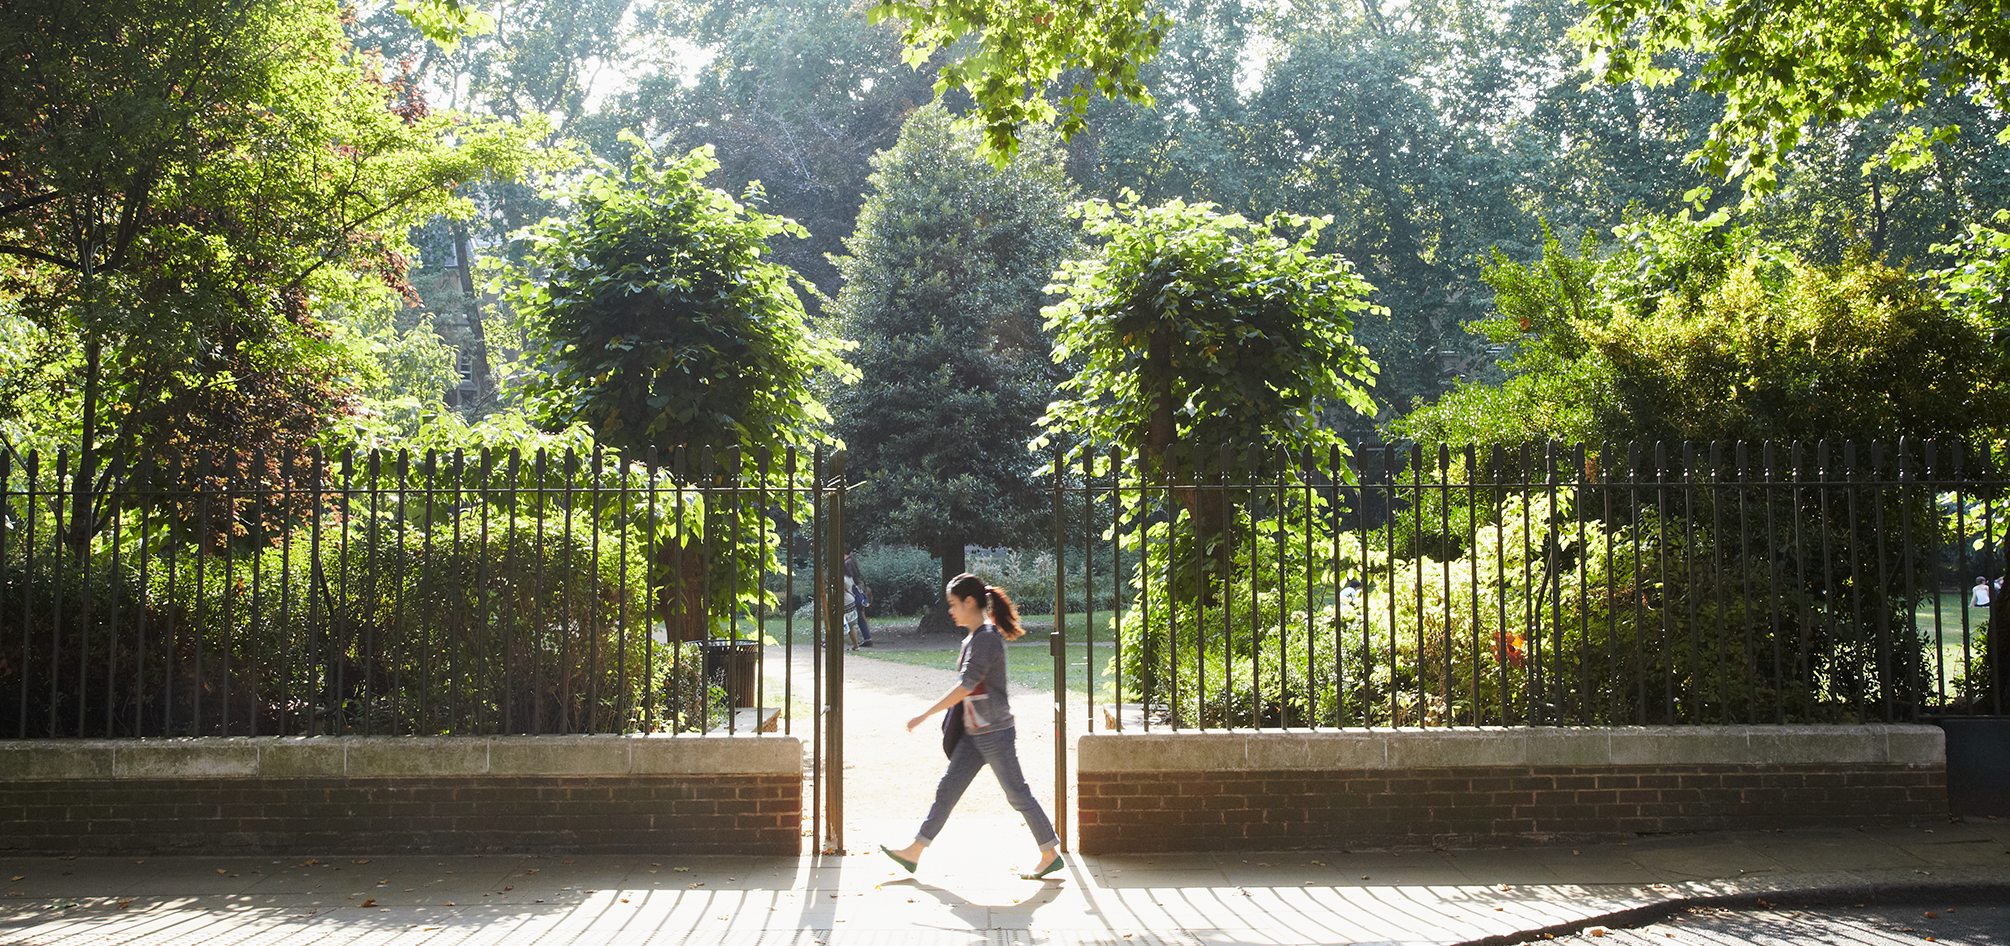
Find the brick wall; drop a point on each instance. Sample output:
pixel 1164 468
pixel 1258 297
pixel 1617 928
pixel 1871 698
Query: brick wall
pixel 717 814
pixel 1254 791
pixel 1213 811
pixel 693 795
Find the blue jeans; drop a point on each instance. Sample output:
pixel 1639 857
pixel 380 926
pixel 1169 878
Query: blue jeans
pixel 997 749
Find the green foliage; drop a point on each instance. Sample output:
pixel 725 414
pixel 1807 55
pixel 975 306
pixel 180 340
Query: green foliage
pixel 1979 285
pixel 662 326
pixel 473 623
pixel 1786 67
pixel 1667 614
pixel 1693 331
pixel 1839 192
pixel 1022 48
pixel 1982 682
pixel 444 21
pixel 187 185
pixel 944 281
pixel 667 335
pixel 1528 609
pixel 798 95
pixel 904 579
pixel 1264 650
pixel 908 581
pixel 1197 328
pixel 400 378
pixel 63 619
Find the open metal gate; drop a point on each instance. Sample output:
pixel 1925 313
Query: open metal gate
pixel 827 740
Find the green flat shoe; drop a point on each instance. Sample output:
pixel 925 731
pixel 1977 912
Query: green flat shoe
pixel 1059 863
pixel 902 861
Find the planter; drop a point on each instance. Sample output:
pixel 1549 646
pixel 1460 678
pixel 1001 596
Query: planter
pixel 1978 764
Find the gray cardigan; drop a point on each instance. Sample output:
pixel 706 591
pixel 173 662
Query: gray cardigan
pixel 988 708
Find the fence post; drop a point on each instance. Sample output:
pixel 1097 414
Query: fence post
pixel 833 606
pixel 1057 649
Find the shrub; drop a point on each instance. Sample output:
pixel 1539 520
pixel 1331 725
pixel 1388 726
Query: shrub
pixel 476 625
pixel 1525 619
pixel 904 579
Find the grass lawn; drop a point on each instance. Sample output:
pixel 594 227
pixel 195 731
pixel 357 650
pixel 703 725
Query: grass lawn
pixel 1027 663
pixel 1035 624
pixel 1955 647
pixel 1949 604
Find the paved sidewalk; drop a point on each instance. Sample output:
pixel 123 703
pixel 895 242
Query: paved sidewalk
pixel 965 893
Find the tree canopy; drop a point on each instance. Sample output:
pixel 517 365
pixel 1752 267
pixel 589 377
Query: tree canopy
pixel 186 188
pixel 662 326
pixel 1690 329
pixel 943 285
pixel 1782 67
pixel 1196 328
pixel 1020 48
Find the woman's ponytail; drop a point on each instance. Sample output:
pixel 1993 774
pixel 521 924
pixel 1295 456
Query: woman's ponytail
pixel 1004 614
pixel 991 600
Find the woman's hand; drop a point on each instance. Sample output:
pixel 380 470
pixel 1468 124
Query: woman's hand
pixel 918 720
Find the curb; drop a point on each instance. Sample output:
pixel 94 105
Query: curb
pixel 1996 892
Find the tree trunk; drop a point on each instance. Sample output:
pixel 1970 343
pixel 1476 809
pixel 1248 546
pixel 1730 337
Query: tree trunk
pixel 485 387
pixel 1208 509
pixel 955 562
pixel 681 566
pixel 81 506
pixel 1878 218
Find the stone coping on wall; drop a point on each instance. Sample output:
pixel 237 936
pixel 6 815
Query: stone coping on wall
pixel 286 757
pixel 1271 750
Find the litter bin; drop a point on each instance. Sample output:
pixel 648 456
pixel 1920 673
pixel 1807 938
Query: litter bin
pixel 730 663
pixel 1978 764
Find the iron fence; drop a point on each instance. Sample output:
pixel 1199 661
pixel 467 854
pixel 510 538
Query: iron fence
pixel 1619 584
pixel 385 593
pixel 496 592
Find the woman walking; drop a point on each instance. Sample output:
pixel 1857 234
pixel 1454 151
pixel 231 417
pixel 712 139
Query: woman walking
pixel 982 705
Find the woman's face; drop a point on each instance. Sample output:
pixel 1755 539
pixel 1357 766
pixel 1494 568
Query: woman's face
pixel 964 611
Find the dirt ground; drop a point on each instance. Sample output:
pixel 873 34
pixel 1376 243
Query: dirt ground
pixel 890 774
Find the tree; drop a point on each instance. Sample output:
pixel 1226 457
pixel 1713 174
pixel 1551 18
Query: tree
pixel 662 325
pixel 533 63
pixel 1189 142
pixel 1836 191
pixel 1784 67
pixel 1023 48
pixel 1691 330
pixel 183 186
pixel 1389 121
pixel 1191 330
pixel 796 95
pixel 663 328
pixel 1202 342
pixel 943 285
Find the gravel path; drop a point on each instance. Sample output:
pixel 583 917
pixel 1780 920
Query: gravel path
pixel 890 773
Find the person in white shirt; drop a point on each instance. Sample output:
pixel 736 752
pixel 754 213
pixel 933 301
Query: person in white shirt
pixel 856 598
pixel 1979 597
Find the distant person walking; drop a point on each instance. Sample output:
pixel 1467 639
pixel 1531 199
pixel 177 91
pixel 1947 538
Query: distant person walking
pixel 979 731
pixel 857 597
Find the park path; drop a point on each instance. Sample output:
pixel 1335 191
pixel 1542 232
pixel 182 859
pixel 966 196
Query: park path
pixel 890 773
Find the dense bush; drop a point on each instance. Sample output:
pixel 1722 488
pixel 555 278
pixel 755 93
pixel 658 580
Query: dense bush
pixel 1687 329
pixel 82 651
pixel 904 579
pixel 1265 648
pixel 1520 616
pixel 497 625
